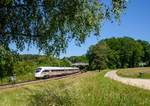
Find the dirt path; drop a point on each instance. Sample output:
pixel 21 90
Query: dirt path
pixel 141 83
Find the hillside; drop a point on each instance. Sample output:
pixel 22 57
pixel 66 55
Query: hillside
pixel 88 89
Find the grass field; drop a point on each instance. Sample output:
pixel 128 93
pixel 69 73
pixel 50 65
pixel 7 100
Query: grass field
pixel 135 72
pixel 20 78
pixel 88 89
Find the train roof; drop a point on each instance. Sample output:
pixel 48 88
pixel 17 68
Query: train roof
pixel 58 68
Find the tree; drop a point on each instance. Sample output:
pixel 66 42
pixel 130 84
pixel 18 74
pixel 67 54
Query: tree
pixel 146 50
pixel 97 56
pixel 7 60
pixel 119 53
pixel 78 59
pixel 51 24
pixel 127 51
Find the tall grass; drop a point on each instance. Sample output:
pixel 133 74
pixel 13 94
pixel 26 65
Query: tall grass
pixel 88 89
pixel 55 97
pixel 94 90
pixel 135 72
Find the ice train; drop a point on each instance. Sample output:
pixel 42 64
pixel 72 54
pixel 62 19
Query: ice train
pixel 46 72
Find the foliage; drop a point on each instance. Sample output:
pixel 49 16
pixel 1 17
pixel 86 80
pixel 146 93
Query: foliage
pixel 29 66
pixel 97 56
pixel 77 59
pixel 28 57
pixel 129 51
pixel 51 61
pixel 51 24
pixel 146 50
pixel 25 68
pixel 22 68
pixel 119 53
pixel 7 60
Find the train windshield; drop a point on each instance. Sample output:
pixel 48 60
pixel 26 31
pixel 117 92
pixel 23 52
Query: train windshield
pixel 38 70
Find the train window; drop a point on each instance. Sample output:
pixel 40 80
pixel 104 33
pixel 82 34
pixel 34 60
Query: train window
pixel 38 70
pixel 56 70
pixel 46 71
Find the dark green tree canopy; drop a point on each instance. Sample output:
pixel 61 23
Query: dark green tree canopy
pixel 119 53
pixel 97 55
pixel 51 24
pixel 77 59
pixel 7 60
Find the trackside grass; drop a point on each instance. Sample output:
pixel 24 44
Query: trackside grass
pixel 88 89
pixel 135 73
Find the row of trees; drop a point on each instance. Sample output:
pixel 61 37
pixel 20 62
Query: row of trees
pixel 119 53
pixel 77 59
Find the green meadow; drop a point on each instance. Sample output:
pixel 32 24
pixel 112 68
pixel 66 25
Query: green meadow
pixel 143 73
pixel 87 89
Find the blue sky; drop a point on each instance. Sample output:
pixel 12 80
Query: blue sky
pixel 135 23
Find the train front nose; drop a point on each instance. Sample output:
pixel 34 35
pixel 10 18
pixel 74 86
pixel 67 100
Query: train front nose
pixel 37 75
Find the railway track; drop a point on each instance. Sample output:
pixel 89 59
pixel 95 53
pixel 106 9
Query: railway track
pixel 6 86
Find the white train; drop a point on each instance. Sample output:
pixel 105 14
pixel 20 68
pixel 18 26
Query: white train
pixel 46 72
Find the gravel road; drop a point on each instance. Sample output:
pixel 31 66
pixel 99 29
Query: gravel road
pixel 141 83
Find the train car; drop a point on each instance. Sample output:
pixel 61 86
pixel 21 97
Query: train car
pixel 46 72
